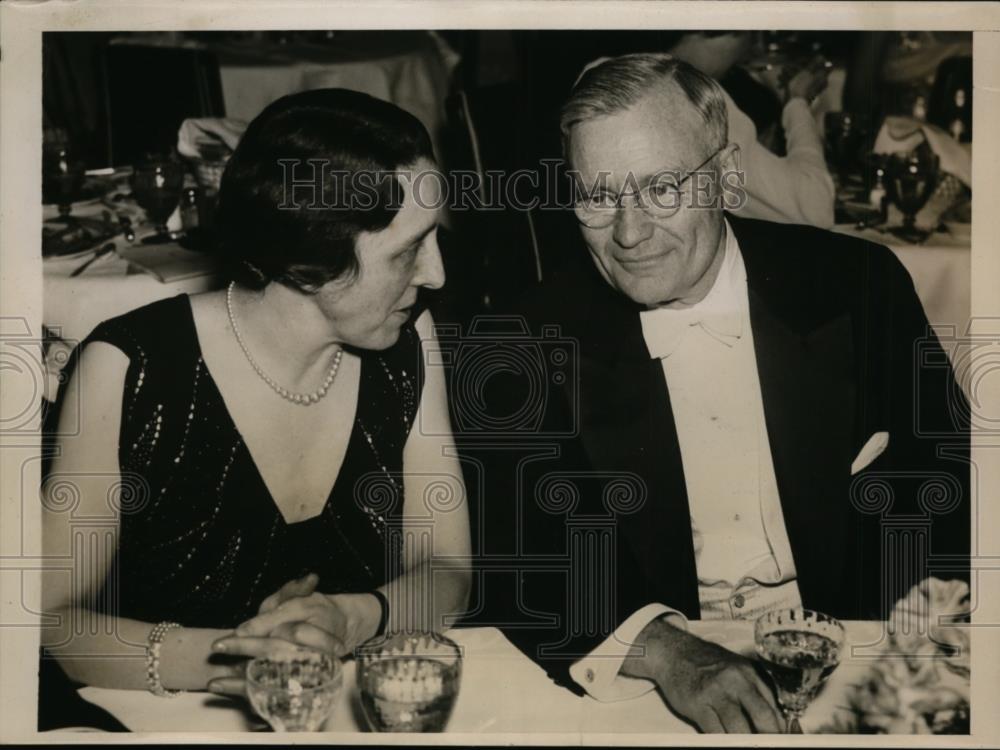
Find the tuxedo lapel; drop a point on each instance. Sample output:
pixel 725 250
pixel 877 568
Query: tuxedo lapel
pixel 804 365
pixel 626 425
pixel 633 431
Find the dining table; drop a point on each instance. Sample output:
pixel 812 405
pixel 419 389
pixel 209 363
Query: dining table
pixel 110 286
pixel 503 692
pixel 116 274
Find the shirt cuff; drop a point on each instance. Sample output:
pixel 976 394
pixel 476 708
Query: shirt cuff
pixel 801 132
pixel 796 110
pixel 599 672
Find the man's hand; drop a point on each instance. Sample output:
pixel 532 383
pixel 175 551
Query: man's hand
pixel 718 690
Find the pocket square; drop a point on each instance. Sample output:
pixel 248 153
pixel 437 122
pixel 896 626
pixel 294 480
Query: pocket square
pixel 872 450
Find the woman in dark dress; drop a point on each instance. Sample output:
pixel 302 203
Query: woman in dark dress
pixel 272 455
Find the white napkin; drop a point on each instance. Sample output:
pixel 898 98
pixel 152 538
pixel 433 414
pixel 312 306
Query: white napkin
pixel 901 134
pixel 195 132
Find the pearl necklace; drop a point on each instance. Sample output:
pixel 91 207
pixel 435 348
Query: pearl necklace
pixel 305 399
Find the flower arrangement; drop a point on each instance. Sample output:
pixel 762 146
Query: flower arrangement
pixel 921 682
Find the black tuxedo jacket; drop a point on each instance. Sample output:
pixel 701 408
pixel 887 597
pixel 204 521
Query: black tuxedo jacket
pixel 843 351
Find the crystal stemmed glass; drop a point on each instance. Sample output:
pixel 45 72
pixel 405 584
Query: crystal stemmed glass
pixel 294 692
pixel 910 181
pixel 800 648
pixel 408 681
pixel 63 176
pixel 157 187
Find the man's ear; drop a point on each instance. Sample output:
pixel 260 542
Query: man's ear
pixel 729 159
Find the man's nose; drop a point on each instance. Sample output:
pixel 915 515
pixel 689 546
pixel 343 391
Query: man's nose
pixel 430 268
pixel 632 226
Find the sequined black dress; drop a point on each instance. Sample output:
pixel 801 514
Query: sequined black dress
pixel 201 541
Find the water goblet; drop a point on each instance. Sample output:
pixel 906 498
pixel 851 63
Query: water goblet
pixel 294 692
pixel 800 648
pixel 157 187
pixel 63 175
pixel 910 181
pixel 408 681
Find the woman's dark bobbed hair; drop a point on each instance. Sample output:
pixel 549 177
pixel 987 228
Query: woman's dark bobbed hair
pixel 306 239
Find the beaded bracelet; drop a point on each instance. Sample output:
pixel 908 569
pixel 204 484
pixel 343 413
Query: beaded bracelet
pixel 156 636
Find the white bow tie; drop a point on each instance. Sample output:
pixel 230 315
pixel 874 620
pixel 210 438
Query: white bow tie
pixel 664 328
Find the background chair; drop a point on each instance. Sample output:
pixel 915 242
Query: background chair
pixel 498 254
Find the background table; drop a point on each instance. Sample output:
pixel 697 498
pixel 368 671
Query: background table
pixel 502 691
pixel 941 269
pixel 72 306
pixel 75 305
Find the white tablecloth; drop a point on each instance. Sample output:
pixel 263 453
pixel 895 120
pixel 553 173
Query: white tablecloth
pixel 502 691
pixel 941 269
pixel 75 305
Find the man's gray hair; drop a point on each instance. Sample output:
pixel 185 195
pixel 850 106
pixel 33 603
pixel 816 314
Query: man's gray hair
pixel 614 84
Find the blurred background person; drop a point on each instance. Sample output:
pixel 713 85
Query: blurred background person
pixel 781 148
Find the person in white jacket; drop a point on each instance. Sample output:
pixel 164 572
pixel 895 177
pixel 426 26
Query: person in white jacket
pixel 795 188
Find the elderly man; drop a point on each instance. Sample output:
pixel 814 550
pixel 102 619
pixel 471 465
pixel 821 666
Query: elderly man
pixel 752 377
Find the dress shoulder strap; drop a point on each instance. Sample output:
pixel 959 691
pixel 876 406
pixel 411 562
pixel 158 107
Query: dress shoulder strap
pixel 160 327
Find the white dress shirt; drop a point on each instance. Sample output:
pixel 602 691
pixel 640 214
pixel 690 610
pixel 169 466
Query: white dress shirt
pixel 743 557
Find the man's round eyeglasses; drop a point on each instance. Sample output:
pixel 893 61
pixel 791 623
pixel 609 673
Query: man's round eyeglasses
pixel 660 199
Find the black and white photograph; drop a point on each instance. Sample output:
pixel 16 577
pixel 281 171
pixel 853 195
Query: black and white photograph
pixel 542 372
